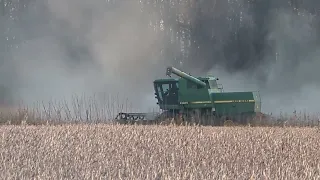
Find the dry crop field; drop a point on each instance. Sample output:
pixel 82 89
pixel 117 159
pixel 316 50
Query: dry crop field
pixel 158 152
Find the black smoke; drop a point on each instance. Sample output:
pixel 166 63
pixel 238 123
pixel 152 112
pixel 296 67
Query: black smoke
pixel 236 34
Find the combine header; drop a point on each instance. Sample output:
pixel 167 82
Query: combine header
pixel 199 100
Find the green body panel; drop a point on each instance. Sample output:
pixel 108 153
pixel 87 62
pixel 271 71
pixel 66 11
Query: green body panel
pixel 233 103
pixel 193 96
pixel 226 96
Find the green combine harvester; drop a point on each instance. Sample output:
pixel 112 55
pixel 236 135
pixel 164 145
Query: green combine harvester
pixel 198 100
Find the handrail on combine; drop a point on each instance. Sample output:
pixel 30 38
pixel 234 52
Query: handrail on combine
pixel 184 75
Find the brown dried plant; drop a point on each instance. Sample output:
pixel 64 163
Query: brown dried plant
pixel 158 152
pixel 74 141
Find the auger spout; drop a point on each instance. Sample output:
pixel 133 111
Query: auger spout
pixel 184 75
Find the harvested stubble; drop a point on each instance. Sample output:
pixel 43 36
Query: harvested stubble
pixel 158 152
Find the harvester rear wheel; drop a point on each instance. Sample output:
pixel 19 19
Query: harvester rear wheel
pixel 228 122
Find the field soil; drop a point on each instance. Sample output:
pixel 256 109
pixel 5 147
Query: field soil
pixel 158 152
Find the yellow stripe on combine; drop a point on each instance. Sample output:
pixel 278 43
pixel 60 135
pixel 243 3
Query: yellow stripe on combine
pixel 197 102
pixel 234 101
pixel 219 102
pixel 201 102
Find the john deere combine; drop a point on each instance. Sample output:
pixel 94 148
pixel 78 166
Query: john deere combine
pixel 199 100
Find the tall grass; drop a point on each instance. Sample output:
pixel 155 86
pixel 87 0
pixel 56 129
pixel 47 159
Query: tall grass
pixel 103 108
pixel 77 109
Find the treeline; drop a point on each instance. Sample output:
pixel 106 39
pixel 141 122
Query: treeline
pixel 233 31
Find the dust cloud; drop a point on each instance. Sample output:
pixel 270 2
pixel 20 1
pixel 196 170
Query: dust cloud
pixel 292 81
pixel 84 47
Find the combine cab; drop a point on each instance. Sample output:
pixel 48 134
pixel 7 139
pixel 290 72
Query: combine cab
pixel 199 100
